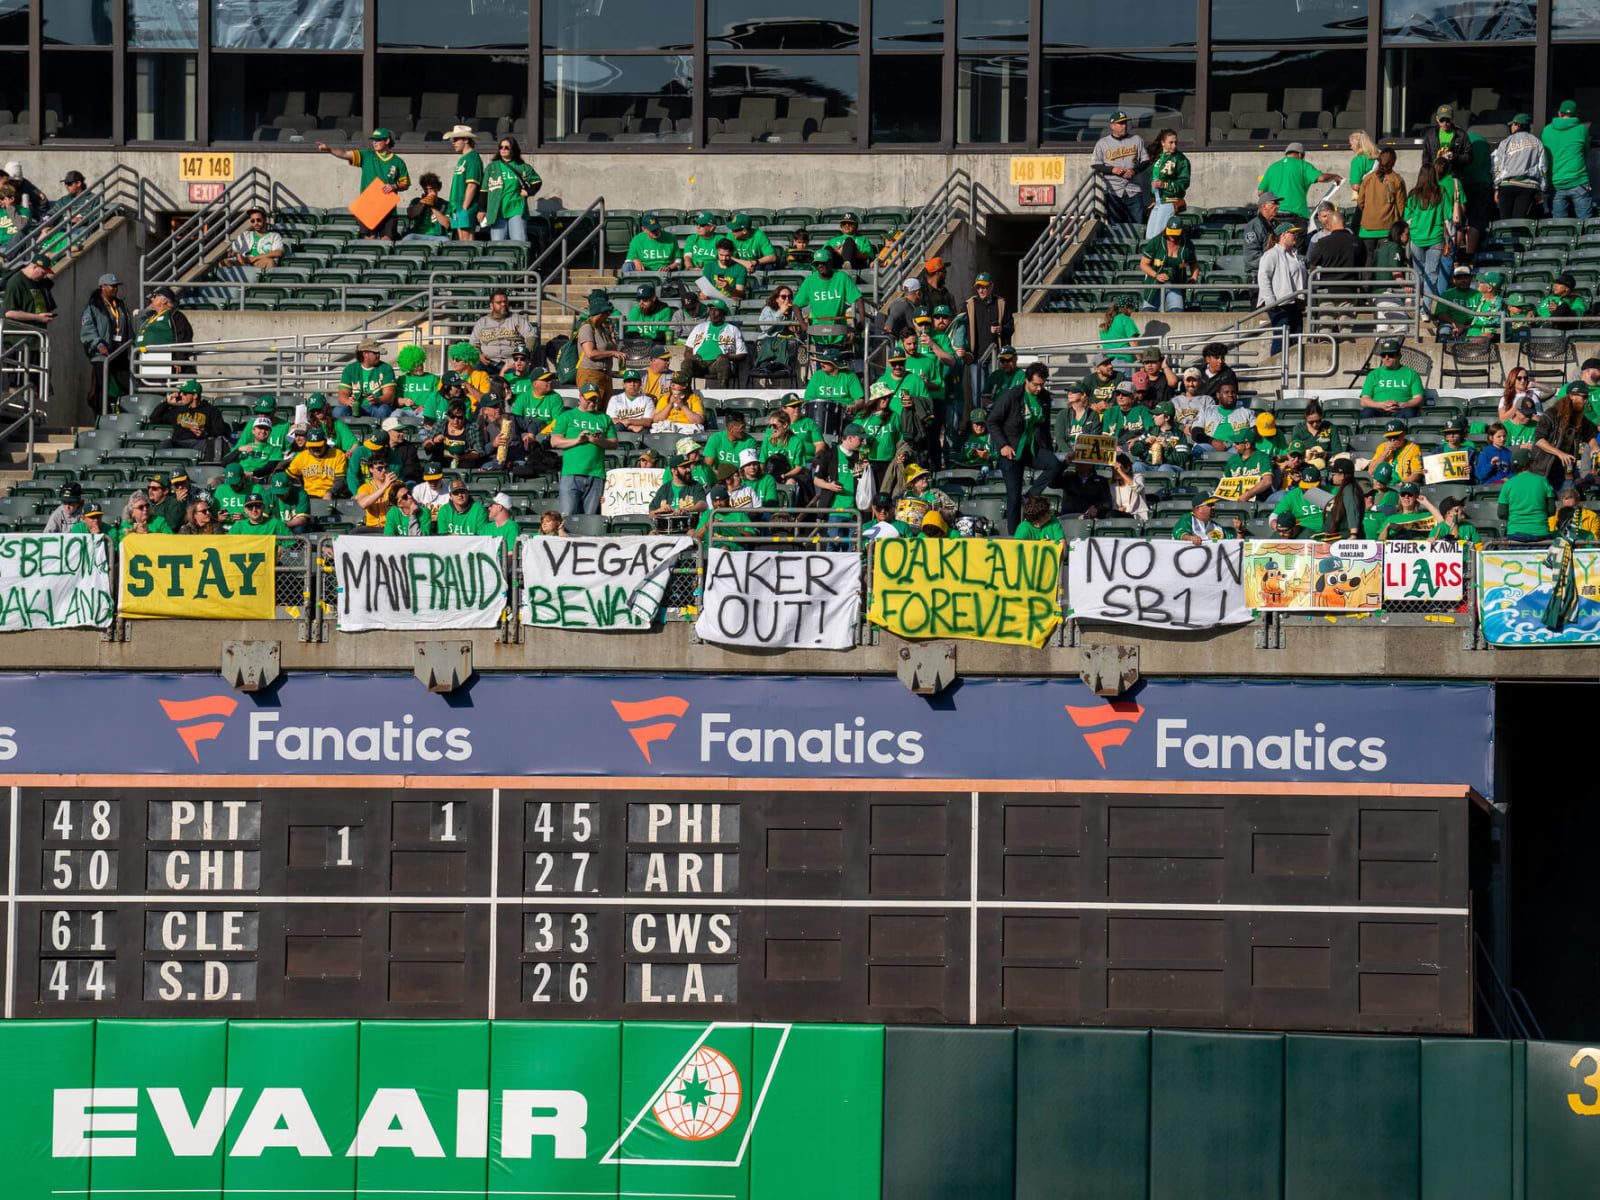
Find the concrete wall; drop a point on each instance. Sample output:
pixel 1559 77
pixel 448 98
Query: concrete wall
pixel 114 251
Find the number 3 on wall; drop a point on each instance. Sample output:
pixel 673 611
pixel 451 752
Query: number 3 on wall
pixel 1575 1101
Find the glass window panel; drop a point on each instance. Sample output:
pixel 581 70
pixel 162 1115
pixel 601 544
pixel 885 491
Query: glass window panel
pixel 618 25
pixel 163 24
pixel 1416 82
pixel 907 24
pixel 453 24
pixel 992 98
pixel 13 97
pixel 1142 22
pixel 773 25
pixel 77 22
pixel 1261 95
pixel 286 98
pixel 287 24
pixel 420 96
pixel 77 94
pixel 160 100
pixel 1301 21
pixel 906 94
pixel 756 99
pixel 1569 66
pixel 589 98
pixel 992 25
pixel 1575 19
pixel 1458 20
pixel 1082 90
pixel 14 22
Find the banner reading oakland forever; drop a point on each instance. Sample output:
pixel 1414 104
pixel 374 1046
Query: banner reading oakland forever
pixel 213 579
pixel 984 589
pixel 419 583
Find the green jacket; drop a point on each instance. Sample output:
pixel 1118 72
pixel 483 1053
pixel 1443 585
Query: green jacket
pixel 1567 141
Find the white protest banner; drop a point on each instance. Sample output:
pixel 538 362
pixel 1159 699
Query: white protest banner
pixel 1164 584
pixel 1423 571
pixel 1161 584
pixel 629 491
pixel 1094 447
pixel 797 600
pixel 1449 466
pixel 54 581
pixel 597 583
pixel 419 583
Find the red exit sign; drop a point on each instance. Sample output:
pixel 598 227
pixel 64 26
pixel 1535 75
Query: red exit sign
pixel 1036 193
pixel 205 193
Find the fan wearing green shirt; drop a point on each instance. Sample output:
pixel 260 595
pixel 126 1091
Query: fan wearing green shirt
pixel 416 388
pixel 1296 514
pixel 680 492
pixel 831 301
pixel 1005 376
pixel 502 524
pixel 700 247
pixel 1391 389
pixel 256 522
pixel 583 435
pixel 1101 384
pixel 1486 309
pixel 382 164
pixel 358 463
pixel 723 447
pixel 973 449
pixel 881 417
pixel 651 317
pixel 1567 140
pixel 1127 419
pixel 1168 258
pixel 93 521
pixel 1247 460
pixel 1453 526
pixel 407 517
pixel 727 275
pixel 1457 300
pixel 730 532
pixel 537 400
pixel 1290 178
pixel 229 495
pixel 753 480
pixel 255 451
pixel 340 436
pixel 1316 429
pixel 833 383
pixel 466 182
pixel 1526 501
pixel 509 185
pixel 1563 300
pixel 1038 523
pixel 463 516
pixel 1411 520
pixel 751 248
pixel 853 250
pixel 651 249
pixel 801 427
pixel 366 386
pixel 287 501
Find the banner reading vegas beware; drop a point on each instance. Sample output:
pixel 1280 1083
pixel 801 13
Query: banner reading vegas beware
pixel 983 589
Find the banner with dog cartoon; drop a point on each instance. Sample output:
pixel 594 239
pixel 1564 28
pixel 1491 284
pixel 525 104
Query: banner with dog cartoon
pixel 1347 576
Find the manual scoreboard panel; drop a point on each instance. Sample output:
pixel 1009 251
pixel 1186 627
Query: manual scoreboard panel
pixel 740 902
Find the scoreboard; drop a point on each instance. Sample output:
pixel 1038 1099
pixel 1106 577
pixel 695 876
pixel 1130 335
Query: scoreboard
pixel 676 899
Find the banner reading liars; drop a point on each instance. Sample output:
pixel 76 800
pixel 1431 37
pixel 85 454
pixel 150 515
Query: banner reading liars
pixel 419 583
pixel 213 579
pixel 54 581
pixel 988 590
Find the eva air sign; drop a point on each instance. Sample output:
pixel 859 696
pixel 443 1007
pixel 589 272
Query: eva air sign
pixel 441 1108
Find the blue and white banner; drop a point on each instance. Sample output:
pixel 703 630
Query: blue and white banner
pixel 758 727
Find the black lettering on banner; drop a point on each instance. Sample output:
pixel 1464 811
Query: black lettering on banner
pixel 409 581
pixel 988 589
pixel 1139 582
pixel 773 599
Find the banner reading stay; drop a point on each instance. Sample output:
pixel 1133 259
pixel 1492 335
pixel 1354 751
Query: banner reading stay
pixel 1163 584
pixel 213 579
pixel 988 590
pixel 801 600
pixel 597 583
pixel 54 581
pixel 419 583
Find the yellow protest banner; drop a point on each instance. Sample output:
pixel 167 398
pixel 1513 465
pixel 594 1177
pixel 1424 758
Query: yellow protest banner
pixel 1094 447
pixel 988 590
pixel 1448 466
pixel 225 578
pixel 1237 487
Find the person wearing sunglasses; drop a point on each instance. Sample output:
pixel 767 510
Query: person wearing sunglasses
pixel 509 185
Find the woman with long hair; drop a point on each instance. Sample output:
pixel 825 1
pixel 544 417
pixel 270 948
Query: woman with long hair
pixel 1342 517
pixel 1561 434
pixel 777 314
pixel 200 521
pixel 509 184
pixel 1117 329
pixel 1518 384
pixel 1363 157
pixel 1381 198
pixel 1426 214
pixel 1169 180
pixel 1127 488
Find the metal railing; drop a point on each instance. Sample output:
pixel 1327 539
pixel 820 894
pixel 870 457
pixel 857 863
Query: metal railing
pixel 1364 302
pixel 293 363
pixel 954 200
pixel 24 380
pixel 1507 1009
pixel 1067 230
pixel 199 241
pixel 120 192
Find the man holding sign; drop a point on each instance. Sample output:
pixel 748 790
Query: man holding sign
pixel 1019 431
pixel 382 166
pixel 1247 463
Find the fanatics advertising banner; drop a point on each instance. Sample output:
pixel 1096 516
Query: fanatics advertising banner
pixel 213 579
pixel 756 727
pixel 597 583
pixel 54 581
pixel 983 589
pixel 419 583
pixel 793 601
pixel 1162 585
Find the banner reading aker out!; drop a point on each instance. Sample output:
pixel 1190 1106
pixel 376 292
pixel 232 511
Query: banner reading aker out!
pixel 215 579
pixel 984 589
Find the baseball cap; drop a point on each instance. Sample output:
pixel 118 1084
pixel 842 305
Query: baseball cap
pixel 316 403
pixel 1567 280
pixel 719 304
pixel 380 132
pixel 706 218
pixel 898 356
pixel 588 389
pixel 1103 360
pixel 1295 148
pixel 1383 473
pixel 1575 388
pixel 682 376
pixel 255 500
pixel 1266 425
pixel 457 485
pixel 73 177
pixel 942 310
pixel 1008 351
pixel 1286 227
pixel 192 387
pixel 108 279
pixel 978 417
pixel 1409 489
pixel 390 424
pixel 749 455
pixel 1119 117
pixel 649 222
pixel 822 256
pixel 366 345
pixel 933 265
pixel 1297 448
pixel 1516 300
pixel 1269 198
pixel 983 277
pixel 1461 269
pixel 790 400
pixel 1568 107
pixel 1492 278
pixel 740 221
pixel 500 498
pixel 262 423
pixel 315 437
pixel 631 376
pixel 43 261
pixel 71 490
pixel 853 430
pixel 716 492
pixel 1456 425
pixel 266 405
pixel 1444 110
pixel 1310 474
pixel 432 471
pixel 179 476
pixel 912 285
pixel 542 376
pixel 1522 118
pixel 94 509
pixel 1389 346
pixel 1191 373
pixel 1151 354
pixel 1125 388
pixel 1167 407
pixel 1394 427
pixel 232 473
pixel 645 291
pixel 453 379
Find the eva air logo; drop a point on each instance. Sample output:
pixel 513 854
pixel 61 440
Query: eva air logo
pixel 188 716
pixel 656 728
pixel 1117 716
pixel 701 1099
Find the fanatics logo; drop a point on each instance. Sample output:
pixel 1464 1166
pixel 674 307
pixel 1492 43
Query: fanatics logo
pixel 1104 714
pixel 179 711
pixel 653 711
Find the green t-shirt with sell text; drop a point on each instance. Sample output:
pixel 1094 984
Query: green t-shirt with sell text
pixel 1399 384
pixel 585 459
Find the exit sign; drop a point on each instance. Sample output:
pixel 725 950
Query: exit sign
pixel 1038 193
pixel 205 193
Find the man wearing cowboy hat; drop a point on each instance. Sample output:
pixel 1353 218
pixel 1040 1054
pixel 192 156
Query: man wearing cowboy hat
pixel 379 163
pixel 366 386
pixel 466 181
pixel 1119 157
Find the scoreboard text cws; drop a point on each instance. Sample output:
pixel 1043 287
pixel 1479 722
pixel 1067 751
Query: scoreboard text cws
pixel 622 901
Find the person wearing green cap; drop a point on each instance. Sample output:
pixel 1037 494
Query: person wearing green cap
pixel 1296 514
pixel 715 347
pixel 1117 329
pixel 509 185
pixel 831 390
pixel 651 249
pixel 257 522
pixel 196 423
pixel 972 450
pixel 93 521
pixel 726 527
pixel 1567 140
pixel 466 182
pixel 319 468
pixel 1246 459
pixel 700 247
pixel 1005 376
pixel 751 248
pixel 582 435
pixel 630 409
pixel 651 317
pixel 597 346
pixel 27 297
pixel 1289 179
pixel 1488 307
pixel 1384 500
pixel 831 301
pixel 1168 258
pixel 1391 389
pixel 318 419
pixel 1526 501
pixel 382 165
pixel 416 388
pixel 1521 172
pixel 288 502
pixel 853 250
pixel 896 407
pixel 1401 452
pixel 1412 518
